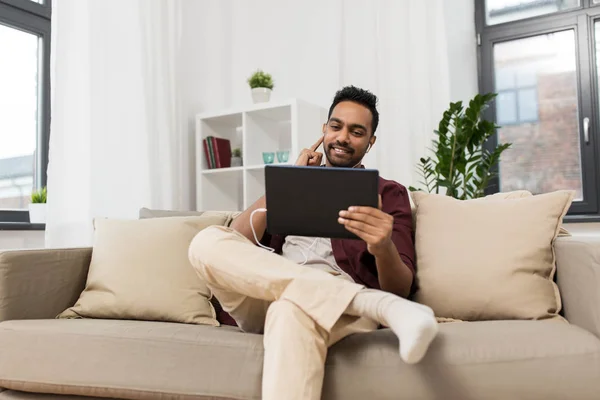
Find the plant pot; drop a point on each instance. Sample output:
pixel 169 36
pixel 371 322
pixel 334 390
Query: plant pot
pixel 236 161
pixel 261 95
pixel 37 213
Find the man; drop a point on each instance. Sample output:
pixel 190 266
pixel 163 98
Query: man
pixel 311 292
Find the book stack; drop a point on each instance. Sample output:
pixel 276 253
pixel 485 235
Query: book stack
pixel 217 152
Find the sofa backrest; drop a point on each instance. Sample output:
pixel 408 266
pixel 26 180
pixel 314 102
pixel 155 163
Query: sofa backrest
pixel 151 213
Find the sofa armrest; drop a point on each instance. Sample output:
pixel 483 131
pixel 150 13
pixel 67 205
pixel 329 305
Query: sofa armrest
pixel 578 279
pixel 40 284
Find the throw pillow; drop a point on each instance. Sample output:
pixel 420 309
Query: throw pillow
pixel 490 258
pixel 501 195
pixel 140 270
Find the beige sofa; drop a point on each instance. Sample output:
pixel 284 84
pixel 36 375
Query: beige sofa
pixel 154 360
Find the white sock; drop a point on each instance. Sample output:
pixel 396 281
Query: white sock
pixel 414 324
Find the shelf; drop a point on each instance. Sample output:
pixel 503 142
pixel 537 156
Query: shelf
pixel 250 108
pixel 270 130
pixel 222 191
pixel 277 114
pixel 255 128
pixel 239 169
pixel 254 186
pixel 222 170
pixel 225 121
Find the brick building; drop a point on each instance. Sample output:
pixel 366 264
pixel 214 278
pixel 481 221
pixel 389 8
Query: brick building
pixel 546 153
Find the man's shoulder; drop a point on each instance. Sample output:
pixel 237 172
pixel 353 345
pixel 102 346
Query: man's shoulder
pixel 390 186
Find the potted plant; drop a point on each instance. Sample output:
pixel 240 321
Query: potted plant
pixel 261 85
pixel 236 157
pixel 37 207
pixel 462 164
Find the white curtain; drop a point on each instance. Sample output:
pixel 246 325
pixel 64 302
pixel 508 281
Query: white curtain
pixel 119 136
pixel 128 77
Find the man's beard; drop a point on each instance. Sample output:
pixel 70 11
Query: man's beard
pixel 352 162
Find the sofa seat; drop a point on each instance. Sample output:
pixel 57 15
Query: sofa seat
pixel 156 360
pixel 16 395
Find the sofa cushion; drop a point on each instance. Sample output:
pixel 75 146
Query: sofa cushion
pixel 140 270
pixel 17 395
pixel 491 360
pixel 490 258
pixel 228 216
pixel 129 359
pixel 152 360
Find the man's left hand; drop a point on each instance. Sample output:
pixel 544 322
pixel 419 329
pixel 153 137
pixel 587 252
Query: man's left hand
pixel 371 225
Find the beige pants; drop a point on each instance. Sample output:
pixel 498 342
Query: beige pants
pixel 299 309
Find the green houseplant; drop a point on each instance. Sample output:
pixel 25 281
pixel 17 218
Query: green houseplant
pixel 37 206
pixel 461 163
pixel 236 157
pixel 261 85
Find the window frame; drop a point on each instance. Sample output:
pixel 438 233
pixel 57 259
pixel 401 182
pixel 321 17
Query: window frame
pixel 34 18
pixel 581 20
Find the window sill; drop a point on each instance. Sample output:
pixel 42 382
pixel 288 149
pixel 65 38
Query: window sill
pixel 21 226
pixel 27 226
pixel 576 219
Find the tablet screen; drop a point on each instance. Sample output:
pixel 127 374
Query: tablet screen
pixel 306 201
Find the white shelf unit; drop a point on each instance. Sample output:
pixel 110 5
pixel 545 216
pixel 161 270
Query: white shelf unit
pixel 266 127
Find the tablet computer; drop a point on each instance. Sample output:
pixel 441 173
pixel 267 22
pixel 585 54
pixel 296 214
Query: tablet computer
pixel 306 201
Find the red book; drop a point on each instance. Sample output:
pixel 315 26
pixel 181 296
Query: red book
pixel 222 152
pixel 207 154
pixel 205 143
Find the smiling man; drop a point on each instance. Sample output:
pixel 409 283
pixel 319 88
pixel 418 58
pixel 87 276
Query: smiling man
pixel 308 293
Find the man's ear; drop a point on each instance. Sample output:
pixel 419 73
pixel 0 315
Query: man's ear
pixel 373 140
pixel 324 128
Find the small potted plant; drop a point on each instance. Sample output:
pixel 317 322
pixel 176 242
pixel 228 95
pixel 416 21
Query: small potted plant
pixel 236 157
pixel 37 207
pixel 261 85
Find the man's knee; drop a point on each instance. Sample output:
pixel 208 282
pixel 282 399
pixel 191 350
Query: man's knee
pixel 285 312
pixel 207 244
pixel 283 307
pixel 286 320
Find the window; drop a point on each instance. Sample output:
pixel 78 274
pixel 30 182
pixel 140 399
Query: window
pixel 517 101
pixel 540 57
pixel 24 104
pixel 501 11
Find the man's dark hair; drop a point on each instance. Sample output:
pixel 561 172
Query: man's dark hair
pixel 359 96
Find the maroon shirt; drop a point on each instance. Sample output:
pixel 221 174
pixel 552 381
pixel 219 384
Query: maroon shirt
pixel 351 255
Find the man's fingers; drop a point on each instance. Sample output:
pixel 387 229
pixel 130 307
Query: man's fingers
pixel 302 159
pixel 358 225
pixel 355 216
pixel 315 159
pixel 365 210
pixel 309 158
pixel 380 203
pixel 361 234
pixel 315 146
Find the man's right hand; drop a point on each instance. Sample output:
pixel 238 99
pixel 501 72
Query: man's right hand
pixel 311 157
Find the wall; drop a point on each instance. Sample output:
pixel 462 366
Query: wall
pixel 459 17
pixel 315 52
pixel 396 49
pixel 21 239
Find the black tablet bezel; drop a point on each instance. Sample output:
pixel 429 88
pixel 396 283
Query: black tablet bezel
pixel 305 201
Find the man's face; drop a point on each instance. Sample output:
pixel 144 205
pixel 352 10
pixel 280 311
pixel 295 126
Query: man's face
pixel 348 134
